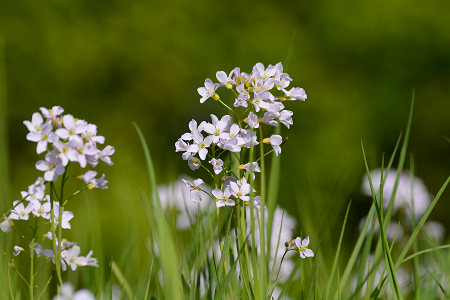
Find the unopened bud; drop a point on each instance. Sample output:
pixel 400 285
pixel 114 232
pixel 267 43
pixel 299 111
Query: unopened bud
pixel 91 186
pixel 228 85
pixel 266 141
pixel 216 96
pixel 241 167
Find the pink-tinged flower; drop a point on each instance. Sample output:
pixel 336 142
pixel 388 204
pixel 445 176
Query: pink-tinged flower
pixel 262 72
pixel 295 93
pixel 227 81
pixel 223 197
pixel 43 137
pixel 52 166
pixel 243 96
pixel 105 154
pixel 217 165
pixel 247 138
pixel 275 141
pixel 208 91
pixel 252 120
pixel 92 182
pixel 302 247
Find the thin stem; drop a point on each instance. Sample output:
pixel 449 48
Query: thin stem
pixel 32 269
pixel 55 249
pixel 278 273
pixel 61 207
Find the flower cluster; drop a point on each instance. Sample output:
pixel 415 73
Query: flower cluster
pixel 63 139
pixel 72 139
pixel 258 101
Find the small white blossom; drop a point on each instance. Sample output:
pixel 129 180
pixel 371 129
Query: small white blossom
pixel 302 246
pixel 217 165
pixel 17 250
pixel 223 197
pixel 208 91
pixel 275 141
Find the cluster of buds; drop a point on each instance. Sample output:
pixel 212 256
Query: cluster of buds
pixel 258 100
pixel 64 140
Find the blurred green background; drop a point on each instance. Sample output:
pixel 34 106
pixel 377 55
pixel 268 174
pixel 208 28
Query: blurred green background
pixel 115 62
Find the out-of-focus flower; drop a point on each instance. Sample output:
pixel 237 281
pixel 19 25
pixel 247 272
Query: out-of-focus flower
pixel 17 250
pixel 408 190
pixel 69 293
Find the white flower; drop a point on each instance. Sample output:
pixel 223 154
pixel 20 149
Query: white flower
pixel 227 81
pixel 52 113
pixel 68 293
pixel 295 93
pixel 41 209
pixel 20 212
pixel 247 138
pixel 72 257
pixel 275 141
pixel 6 225
pixel 194 189
pixel 193 161
pixel 66 216
pixel 209 90
pixel 105 154
pixel 52 166
pixel 403 197
pixel 250 168
pixel 36 123
pixel 217 128
pixel 217 165
pixel 71 129
pixel 193 129
pixel 223 197
pixel 200 145
pixel 240 189
pixel 43 137
pixel 243 96
pixel 302 247
pixel 252 120
pixel 92 182
pixel 285 118
pixel 17 250
pixel 177 195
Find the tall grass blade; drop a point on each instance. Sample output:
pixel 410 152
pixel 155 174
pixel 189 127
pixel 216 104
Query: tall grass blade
pixel 386 250
pixel 338 251
pixel 169 258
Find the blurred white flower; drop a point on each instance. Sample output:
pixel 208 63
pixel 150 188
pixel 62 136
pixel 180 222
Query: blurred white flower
pixel 407 191
pixel 68 293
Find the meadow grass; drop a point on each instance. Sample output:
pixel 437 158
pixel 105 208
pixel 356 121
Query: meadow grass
pixel 217 257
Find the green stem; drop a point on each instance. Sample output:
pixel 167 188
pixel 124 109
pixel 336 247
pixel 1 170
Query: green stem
pixel 61 207
pixel 32 269
pixel 55 249
pixel 278 273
